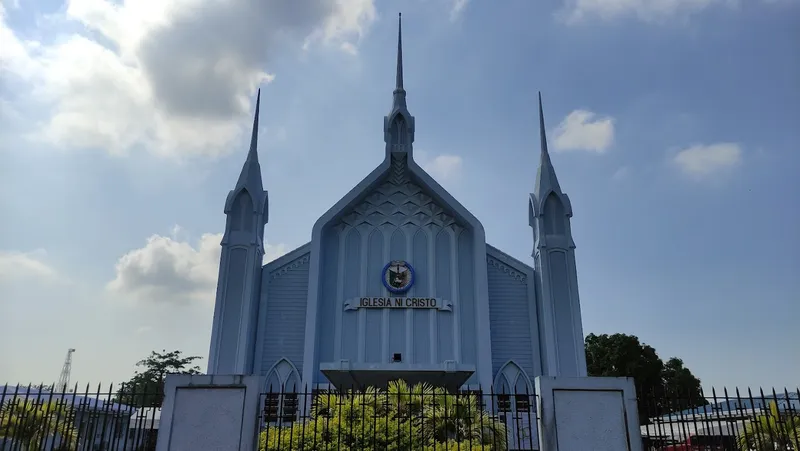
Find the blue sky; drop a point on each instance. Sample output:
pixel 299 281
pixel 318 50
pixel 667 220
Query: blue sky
pixel 672 124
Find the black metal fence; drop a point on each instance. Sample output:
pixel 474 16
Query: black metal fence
pixel 722 420
pixel 89 418
pixel 400 418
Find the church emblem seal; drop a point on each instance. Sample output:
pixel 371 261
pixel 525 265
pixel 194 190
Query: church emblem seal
pixel 398 276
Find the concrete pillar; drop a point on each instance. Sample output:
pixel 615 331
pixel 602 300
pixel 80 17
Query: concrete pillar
pixel 209 412
pixel 587 414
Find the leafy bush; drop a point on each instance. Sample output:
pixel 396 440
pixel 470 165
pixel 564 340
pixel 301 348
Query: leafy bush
pixel 771 431
pixel 35 425
pixel 403 418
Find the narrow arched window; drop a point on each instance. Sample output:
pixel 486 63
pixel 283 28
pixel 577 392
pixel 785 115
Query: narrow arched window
pixel 399 130
pixel 242 212
pixel 554 215
pixel 281 404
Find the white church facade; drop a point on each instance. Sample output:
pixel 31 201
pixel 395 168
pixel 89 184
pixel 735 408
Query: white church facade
pixel 398 282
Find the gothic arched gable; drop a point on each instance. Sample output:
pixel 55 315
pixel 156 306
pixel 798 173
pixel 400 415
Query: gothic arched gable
pixel 398 201
pixel 398 212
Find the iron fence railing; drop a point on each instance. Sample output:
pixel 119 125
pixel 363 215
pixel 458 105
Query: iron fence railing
pixel 400 418
pixel 721 420
pixel 80 418
pixel 126 418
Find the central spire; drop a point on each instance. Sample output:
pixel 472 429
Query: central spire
pixel 399 85
pixel 399 91
pixel 398 126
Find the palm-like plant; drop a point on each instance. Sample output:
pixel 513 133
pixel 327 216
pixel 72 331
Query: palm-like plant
pixel 771 432
pixel 404 417
pixel 33 424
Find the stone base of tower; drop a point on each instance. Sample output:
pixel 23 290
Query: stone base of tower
pixel 587 414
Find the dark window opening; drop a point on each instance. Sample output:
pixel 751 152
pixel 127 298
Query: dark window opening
pixel 290 407
pixel 504 403
pixel 523 403
pixel 271 405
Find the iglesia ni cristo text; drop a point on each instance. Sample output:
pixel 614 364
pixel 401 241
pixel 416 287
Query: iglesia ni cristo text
pixel 397 282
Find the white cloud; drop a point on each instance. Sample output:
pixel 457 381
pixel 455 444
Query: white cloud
pixel 621 173
pixel 647 10
pixel 143 330
pixel 442 167
pixel 704 160
pixel 164 75
pixel 16 266
pixel 584 130
pixel 456 8
pixel 166 270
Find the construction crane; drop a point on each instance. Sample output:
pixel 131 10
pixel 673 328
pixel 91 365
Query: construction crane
pixel 63 381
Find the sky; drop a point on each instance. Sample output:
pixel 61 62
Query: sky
pixel 672 126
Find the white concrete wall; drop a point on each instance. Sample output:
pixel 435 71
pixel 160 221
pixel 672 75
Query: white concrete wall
pixel 209 412
pixel 588 414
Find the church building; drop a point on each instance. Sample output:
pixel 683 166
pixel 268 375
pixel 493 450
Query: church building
pixel 398 282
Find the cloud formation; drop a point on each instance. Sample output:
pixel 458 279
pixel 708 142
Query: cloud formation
pixel 177 77
pixel 646 10
pixel 456 8
pixel 16 266
pixel 705 160
pixel 167 270
pixel 442 167
pixel 584 130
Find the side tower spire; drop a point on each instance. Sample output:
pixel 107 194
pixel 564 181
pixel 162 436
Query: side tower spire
pixel 546 179
pixel 398 126
pixel 239 283
pixel 549 214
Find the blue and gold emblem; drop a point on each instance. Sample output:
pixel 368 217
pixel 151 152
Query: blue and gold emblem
pixel 398 276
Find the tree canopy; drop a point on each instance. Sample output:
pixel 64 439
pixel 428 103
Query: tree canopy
pixel 662 387
pixel 146 387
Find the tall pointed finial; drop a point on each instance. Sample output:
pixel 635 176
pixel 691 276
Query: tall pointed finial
pixel 251 171
pixel 546 175
pixel 252 155
pixel 399 101
pixel 399 84
pixel 398 125
pixel 542 133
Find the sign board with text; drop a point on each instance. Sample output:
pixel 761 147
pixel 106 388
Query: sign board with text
pixel 398 302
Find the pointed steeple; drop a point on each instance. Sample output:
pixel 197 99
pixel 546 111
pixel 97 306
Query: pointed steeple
pixel 250 176
pixel 251 171
pixel 399 91
pixel 233 330
pixel 398 125
pixel 546 175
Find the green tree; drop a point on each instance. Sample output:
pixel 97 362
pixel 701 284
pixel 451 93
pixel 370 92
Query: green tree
pixel 146 387
pixel 661 387
pixel 771 431
pixel 681 385
pixel 403 418
pixel 37 425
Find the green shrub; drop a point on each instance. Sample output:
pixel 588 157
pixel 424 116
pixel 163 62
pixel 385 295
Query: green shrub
pixel 403 418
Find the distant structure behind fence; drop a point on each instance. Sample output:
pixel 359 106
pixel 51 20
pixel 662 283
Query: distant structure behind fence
pixel 90 418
